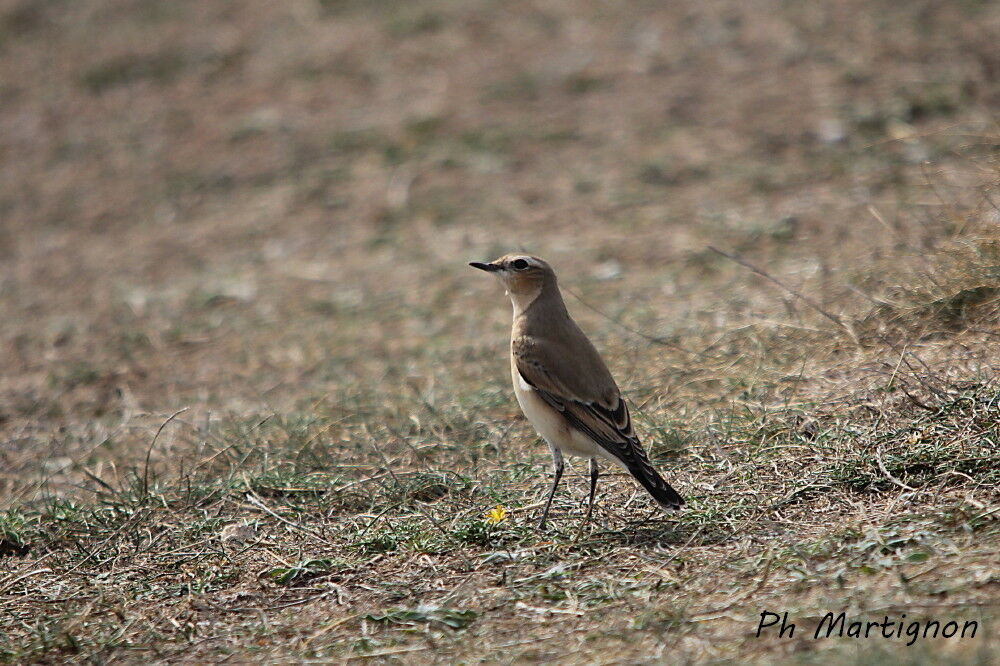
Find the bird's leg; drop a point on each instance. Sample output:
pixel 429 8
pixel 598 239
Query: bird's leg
pixel 593 488
pixel 557 472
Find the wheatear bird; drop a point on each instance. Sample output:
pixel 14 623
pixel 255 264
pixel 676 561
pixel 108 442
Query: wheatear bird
pixel 562 384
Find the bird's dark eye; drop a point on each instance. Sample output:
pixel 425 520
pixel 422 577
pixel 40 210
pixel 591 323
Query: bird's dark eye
pixel 519 264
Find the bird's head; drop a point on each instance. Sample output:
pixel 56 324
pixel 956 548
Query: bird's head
pixel 523 275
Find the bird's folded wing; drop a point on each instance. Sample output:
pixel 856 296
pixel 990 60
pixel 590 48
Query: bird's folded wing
pixel 598 410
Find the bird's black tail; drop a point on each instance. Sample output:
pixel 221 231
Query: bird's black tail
pixel 651 480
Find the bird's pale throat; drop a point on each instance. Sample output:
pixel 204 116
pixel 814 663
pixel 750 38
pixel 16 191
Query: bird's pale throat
pixel 523 298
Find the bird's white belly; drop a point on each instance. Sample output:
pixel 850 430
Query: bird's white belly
pixel 552 426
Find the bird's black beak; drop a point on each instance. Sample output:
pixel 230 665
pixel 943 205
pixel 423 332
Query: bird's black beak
pixel 489 268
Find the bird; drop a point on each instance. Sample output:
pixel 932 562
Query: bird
pixel 563 385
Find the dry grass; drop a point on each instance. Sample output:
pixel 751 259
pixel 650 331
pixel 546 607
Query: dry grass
pixel 254 406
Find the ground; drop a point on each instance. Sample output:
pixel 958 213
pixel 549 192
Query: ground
pixel 255 407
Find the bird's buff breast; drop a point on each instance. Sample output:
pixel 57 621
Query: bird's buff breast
pixel 549 423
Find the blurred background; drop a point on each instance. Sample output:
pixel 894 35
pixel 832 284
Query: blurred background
pixel 251 206
pixel 251 393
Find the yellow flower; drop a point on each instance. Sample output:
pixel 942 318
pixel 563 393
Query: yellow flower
pixel 496 515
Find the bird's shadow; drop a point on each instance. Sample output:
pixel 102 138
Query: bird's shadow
pixel 649 533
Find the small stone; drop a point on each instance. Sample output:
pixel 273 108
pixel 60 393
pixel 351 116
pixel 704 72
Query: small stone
pixel 608 270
